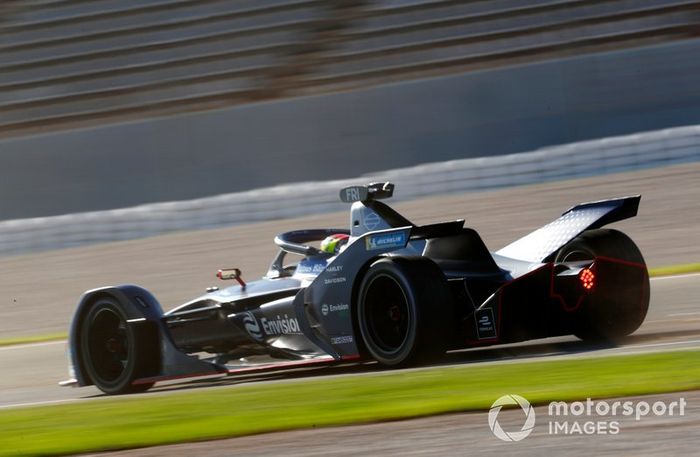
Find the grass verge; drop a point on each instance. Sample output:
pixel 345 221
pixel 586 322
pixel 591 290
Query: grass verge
pixel 153 420
pixel 675 269
pixel 33 339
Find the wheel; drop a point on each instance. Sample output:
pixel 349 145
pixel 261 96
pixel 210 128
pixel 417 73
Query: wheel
pixel 114 353
pixel 609 314
pixel 404 311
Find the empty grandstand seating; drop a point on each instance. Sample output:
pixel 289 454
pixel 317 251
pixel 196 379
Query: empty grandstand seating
pixel 68 63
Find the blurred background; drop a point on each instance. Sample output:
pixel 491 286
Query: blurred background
pixel 123 120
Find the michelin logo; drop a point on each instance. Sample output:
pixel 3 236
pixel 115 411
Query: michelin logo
pixel 385 240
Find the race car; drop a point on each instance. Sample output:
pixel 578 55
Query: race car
pixel 385 290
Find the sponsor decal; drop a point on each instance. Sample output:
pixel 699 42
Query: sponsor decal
pixel 337 280
pixel 385 241
pixel 326 309
pixel 485 326
pixel 280 325
pixel 334 269
pixel 352 194
pixel 252 327
pixel 259 329
pixel 344 339
pixel 315 269
pixel 371 221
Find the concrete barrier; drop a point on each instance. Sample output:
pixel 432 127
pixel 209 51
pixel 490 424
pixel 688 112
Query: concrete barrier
pixel 623 153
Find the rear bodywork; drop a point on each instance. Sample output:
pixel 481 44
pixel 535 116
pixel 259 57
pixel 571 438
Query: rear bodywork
pixel 305 313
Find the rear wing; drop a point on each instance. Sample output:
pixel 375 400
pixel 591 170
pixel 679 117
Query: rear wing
pixel 542 244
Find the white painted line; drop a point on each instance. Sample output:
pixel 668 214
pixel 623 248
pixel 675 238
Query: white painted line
pixel 41 403
pixel 675 320
pixel 31 345
pixel 694 313
pixel 660 344
pixel 683 276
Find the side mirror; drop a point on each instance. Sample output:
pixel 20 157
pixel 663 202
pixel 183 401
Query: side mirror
pixel 231 273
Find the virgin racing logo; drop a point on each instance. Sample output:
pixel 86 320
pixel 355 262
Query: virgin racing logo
pixel 270 327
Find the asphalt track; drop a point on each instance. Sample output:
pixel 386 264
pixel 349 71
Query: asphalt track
pixel 31 372
pixel 38 293
pixel 456 435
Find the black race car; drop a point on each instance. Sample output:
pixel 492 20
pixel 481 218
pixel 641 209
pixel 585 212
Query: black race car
pixel 385 290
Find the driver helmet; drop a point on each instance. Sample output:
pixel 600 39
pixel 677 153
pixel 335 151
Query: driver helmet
pixel 333 243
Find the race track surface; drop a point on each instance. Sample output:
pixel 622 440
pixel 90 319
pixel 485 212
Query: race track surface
pixel 673 322
pixel 38 292
pixel 464 435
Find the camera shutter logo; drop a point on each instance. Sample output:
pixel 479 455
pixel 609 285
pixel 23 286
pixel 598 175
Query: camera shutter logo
pixel 508 400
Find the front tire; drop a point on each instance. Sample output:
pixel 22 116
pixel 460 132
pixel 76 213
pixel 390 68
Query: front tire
pixel 614 313
pixel 114 352
pixel 404 311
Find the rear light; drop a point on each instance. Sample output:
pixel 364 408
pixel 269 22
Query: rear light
pixel 587 278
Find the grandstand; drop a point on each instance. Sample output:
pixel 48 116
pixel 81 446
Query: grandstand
pixel 76 63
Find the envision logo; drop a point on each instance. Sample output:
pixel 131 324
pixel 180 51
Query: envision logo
pixel 252 327
pixel 508 400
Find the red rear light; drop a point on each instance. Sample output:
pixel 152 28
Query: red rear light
pixel 587 278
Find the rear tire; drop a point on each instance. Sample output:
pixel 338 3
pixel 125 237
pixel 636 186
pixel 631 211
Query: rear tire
pixel 404 311
pixel 114 352
pixel 612 315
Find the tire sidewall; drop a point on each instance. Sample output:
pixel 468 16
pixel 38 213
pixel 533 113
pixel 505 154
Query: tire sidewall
pixel 384 268
pixel 123 382
pixel 430 307
pixel 594 321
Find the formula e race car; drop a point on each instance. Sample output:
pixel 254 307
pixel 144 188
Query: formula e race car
pixel 384 290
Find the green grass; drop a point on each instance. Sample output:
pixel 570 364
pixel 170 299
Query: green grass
pixel 152 420
pixel 675 269
pixel 33 339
